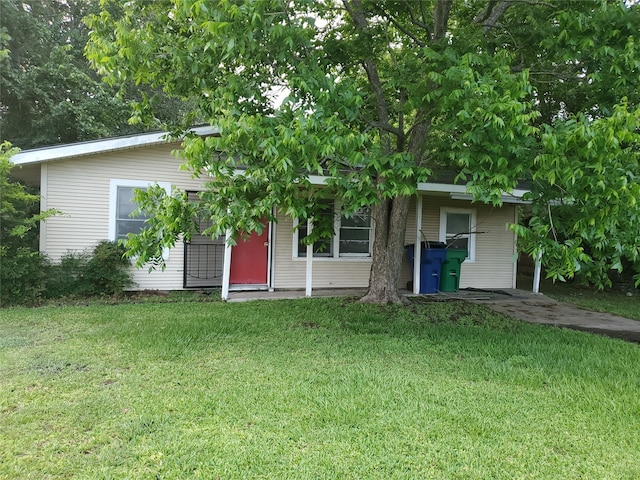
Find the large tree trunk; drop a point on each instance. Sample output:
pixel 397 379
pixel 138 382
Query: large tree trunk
pixel 390 219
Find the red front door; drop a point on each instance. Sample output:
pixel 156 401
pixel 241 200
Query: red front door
pixel 249 260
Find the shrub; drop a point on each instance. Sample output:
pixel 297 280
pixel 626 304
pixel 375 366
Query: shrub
pixel 102 271
pixel 23 270
pixel 67 277
pixel 23 276
pixel 107 271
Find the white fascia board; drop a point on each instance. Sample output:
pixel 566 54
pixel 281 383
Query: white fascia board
pixel 441 188
pixel 455 191
pixel 313 179
pixel 459 192
pixel 505 198
pixel 318 179
pixel 81 149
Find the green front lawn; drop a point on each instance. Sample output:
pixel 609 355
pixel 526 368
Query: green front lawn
pixel 625 304
pixel 321 388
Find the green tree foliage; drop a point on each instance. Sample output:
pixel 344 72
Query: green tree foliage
pixel 381 94
pixel 23 269
pixel 26 275
pixel 50 94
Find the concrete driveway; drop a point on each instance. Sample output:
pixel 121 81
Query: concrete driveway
pixel 538 308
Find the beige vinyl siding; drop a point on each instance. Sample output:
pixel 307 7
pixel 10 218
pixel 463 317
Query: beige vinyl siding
pixel 290 272
pixel 494 262
pixel 79 188
pixel 493 267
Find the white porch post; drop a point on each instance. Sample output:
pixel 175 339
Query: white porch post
pixel 417 249
pixel 309 272
pixel 44 186
pixel 226 266
pixel 270 259
pixel 536 272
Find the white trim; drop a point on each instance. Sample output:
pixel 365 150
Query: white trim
pixel 515 249
pixel 335 241
pixel 457 192
pixel 113 197
pixel 318 179
pixel 270 254
pixel 471 253
pixel 308 282
pixel 513 198
pixel 417 246
pixel 226 267
pixel 81 149
pixel 44 187
pixel 537 270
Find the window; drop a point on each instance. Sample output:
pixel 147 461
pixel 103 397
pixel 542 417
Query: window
pixel 121 207
pixel 457 228
pixel 324 246
pixel 126 221
pixel 355 233
pixel 350 237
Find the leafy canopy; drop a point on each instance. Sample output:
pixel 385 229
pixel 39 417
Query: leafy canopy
pixel 381 95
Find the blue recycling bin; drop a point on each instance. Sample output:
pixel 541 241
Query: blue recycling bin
pixel 430 266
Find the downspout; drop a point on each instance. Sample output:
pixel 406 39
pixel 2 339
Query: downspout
pixel 417 249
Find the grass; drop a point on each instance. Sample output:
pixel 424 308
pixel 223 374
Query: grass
pixel 311 388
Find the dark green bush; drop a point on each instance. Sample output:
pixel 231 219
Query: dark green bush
pixel 67 277
pixel 107 271
pixel 102 271
pixel 23 276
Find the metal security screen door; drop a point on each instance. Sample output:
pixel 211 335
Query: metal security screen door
pixel 203 257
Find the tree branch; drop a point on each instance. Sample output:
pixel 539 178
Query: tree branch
pixel 496 13
pixel 415 21
pixel 388 128
pixel 441 18
pixel 357 14
pixel 400 27
pixel 495 10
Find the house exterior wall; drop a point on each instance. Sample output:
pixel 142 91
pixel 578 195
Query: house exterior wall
pixel 290 272
pixel 79 187
pixel 494 265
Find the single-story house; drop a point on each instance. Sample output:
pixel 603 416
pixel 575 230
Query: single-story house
pixel 92 184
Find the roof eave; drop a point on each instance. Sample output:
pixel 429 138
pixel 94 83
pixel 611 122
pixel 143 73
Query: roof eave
pixel 82 149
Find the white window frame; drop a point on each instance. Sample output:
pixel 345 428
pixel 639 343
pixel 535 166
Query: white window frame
pixel 113 202
pixel 338 229
pixel 335 241
pixel 319 255
pixel 471 251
